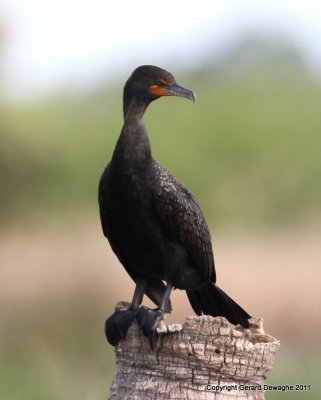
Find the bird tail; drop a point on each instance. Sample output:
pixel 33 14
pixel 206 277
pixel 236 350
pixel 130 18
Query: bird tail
pixel 211 300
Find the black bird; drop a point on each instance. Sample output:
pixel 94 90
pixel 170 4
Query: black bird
pixel 153 223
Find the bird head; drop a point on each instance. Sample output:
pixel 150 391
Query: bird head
pixel 148 83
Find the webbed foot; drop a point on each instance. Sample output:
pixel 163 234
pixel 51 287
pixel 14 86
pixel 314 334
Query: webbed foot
pixel 117 325
pixel 148 320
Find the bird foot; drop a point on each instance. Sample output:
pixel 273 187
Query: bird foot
pixel 148 320
pixel 117 325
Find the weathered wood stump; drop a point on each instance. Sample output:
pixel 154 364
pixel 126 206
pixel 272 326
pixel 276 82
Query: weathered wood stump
pixel 206 358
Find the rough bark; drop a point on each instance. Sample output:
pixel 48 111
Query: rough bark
pixel 205 353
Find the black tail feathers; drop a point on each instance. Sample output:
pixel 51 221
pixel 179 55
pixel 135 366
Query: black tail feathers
pixel 211 300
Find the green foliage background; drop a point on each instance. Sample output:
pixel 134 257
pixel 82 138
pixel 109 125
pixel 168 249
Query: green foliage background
pixel 249 149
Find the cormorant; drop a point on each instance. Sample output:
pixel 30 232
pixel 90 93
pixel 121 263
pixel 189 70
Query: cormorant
pixel 153 223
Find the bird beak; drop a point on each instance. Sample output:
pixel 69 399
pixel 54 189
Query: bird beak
pixel 176 90
pixel 173 90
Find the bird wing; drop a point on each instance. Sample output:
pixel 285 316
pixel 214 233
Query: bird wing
pixel 182 219
pixel 156 288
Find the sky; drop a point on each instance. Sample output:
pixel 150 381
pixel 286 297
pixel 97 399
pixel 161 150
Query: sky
pixel 74 43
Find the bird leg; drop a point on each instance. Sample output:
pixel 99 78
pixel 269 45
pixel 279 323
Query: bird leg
pixel 117 325
pixel 149 319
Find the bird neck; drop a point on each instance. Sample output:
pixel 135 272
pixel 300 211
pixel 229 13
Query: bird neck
pixel 133 147
pixel 134 108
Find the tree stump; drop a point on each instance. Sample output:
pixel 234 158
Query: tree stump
pixel 206 358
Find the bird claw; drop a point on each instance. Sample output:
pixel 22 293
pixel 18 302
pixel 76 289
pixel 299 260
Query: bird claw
pixel 117 325
pixel 148 320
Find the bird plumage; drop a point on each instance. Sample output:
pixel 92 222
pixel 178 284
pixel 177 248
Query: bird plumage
pixel 153 223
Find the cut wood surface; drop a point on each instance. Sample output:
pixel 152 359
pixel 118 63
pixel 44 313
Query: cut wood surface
pixel 206 358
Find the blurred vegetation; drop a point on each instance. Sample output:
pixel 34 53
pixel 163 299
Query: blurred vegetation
pixel 296 367
pixel 249 149
pixel 55 351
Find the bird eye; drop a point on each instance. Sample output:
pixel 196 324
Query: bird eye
pixel 159 82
